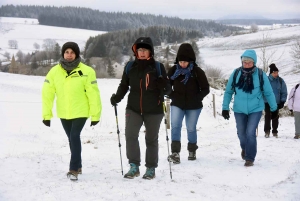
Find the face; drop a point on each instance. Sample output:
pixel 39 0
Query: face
pixel 183 64
pixel 275 74
pixel 143 53
pixel 248 64
pixel 69 55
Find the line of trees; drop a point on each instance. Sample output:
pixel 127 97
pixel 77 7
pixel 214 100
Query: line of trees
pixel 85 18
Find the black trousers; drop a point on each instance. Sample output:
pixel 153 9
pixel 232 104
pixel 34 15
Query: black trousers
pixel 134 122
pixel 73 128
pixel 268 120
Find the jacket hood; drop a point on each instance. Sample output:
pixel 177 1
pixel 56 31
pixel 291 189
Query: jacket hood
pixel 251 54
pixel 143 41
pixel 185 53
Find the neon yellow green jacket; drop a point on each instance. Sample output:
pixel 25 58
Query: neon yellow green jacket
pixel 77 95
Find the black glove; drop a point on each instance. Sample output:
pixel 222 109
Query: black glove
pixel 46 122
pixel 161 83
pixel 225 114
pixel 280 105
pixel 113 100
pixel 94 123
pixel 274 114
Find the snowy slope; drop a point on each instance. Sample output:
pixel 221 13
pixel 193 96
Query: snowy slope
pixel 34 158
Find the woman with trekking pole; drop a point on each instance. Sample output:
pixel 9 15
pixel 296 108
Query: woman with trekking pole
pixel 147 83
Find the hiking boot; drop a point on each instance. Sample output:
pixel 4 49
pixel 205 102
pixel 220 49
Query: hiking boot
pixel 174 157
pixel 150 173
pixel 267 134
pixel 133 171
pixel 248 163
pixel 72 175
pixel 192 155
pixel 243 154
pixel 297 136
pixel 275 135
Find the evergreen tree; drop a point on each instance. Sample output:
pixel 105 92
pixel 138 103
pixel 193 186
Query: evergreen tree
pixel 110 69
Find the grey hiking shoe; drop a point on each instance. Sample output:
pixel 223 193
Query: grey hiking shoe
pixel 133 171
pixel 174 157
pixel 267 134
pixel 150 173
pixel 275 135
pixel 79 171
pixel 297 136
pixel 192 155
pixel 72 175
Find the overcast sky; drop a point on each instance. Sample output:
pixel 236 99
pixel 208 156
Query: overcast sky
pixel 195 9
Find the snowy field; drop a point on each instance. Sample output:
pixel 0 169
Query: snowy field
pixel 35 158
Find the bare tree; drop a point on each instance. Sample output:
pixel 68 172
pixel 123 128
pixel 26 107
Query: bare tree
pixel 268 55
pixel 49 45
pixel 13 44
pixel 253 28
pixel 7 55
pixel 20 56
pixel 36 46
pixel 295 53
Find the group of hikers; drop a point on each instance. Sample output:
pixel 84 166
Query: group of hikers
pixel 74 85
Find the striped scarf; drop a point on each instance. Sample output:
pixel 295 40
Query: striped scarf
pixel 183 71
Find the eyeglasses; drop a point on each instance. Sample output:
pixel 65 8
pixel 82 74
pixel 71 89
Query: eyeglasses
pixel 142 50
pixel 248 62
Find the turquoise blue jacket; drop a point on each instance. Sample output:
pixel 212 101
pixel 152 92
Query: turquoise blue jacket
pixel 248 103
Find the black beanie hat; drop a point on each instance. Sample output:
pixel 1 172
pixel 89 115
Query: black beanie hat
pixel 273 68
pixel 185 53
pixel 143 45
pixel 73 46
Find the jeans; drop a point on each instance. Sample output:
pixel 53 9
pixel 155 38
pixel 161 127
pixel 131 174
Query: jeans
pixel 246 128
pixel 73 128
pixel 191 119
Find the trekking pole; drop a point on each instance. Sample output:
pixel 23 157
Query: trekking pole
pixel 167 138
pixel 118 131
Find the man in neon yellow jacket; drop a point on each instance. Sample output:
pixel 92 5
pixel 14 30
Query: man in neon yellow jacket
pixel 77 98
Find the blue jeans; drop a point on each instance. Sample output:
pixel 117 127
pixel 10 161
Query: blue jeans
pixel 191 119
pixel 246 128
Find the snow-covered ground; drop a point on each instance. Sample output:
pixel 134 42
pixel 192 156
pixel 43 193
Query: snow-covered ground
pixel 35 158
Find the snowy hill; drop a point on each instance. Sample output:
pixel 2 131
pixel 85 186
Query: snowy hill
pixel 35 158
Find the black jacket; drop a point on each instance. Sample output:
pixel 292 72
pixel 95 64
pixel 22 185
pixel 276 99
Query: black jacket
pixel 141 81
pixel 189 96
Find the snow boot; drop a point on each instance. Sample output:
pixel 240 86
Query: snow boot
pixel 248 163
pixel 297 136
pixel 150 173
pixel 192 155
pixel 133 171
pixel 275 135
pixel 174 157
pixel 72 175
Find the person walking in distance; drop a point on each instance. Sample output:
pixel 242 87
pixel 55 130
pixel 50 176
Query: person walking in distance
pixel 294 106
pixel 146 80
pixel 77 95
pixel 190 86
pixel 248 84
pixel 280 92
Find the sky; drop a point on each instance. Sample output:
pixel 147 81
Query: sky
pixel 190 9
pixel 34 158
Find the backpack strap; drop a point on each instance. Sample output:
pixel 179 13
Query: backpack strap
pixel 128 67
pixel 233 84
pixel 261 79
